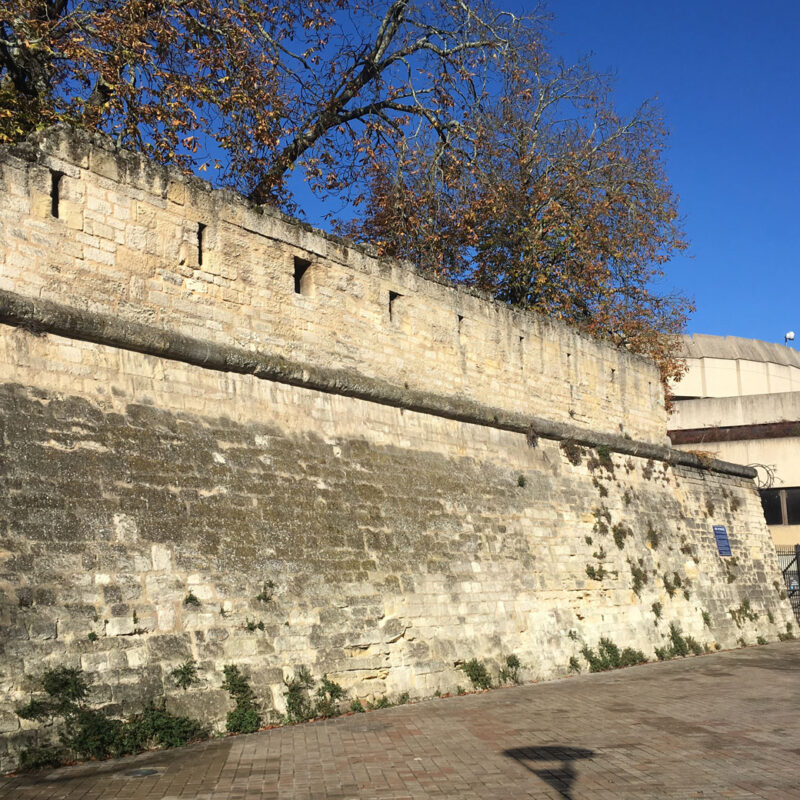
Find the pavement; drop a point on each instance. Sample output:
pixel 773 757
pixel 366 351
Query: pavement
pixel 724 725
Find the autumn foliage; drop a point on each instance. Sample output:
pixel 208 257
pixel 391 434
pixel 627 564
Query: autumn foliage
pixel 470 150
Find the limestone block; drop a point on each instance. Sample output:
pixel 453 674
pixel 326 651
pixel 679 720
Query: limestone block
pixel 161 557
pixel 120 626
pixel 166 618
pixel 104 163
pixel 9 721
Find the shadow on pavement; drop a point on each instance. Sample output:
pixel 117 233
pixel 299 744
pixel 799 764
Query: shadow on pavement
pixel 553 764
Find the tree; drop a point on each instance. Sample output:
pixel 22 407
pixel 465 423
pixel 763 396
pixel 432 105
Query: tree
pixel 549 200
pixel 258 87
pixel 473 152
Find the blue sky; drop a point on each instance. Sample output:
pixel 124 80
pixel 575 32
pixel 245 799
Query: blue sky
pixel 727 76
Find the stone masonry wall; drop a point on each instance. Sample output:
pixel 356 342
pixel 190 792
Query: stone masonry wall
pixel 399 544
pixel 333 529
pixel 127 241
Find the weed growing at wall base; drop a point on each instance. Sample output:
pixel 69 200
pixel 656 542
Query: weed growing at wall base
pixel 245 717
pixel 477 673
pixel 789 635
pixel 609 656
pixel 89 733
pixel 510 672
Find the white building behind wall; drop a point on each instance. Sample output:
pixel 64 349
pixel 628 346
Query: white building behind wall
pixel 740 400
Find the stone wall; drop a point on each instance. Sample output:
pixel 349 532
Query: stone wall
pixel 334 529
pixel 127 242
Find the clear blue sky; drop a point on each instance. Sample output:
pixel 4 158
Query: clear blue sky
pixel 726 74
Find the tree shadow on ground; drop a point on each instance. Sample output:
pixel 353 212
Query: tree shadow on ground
pixel 552 763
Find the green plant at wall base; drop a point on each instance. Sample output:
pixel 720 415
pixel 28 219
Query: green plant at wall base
pixel 460 690
pixel 299 707
pixel 403 699
pixel 245 717
pixel 477 673
pixel 574 665
pixel 742 641
pixel 186 674
pixel 789 635
pixel 510 672
pixel 357 707
pixel 190 599
pixel 608 656
pixel 678 645
pixel 329 693
pixel 694 646
pixel 383 702
pixel 87 733
pixel 596 574
pixel 42 757
pixel 760 640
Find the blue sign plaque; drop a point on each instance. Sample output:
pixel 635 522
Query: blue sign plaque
pixel 723 543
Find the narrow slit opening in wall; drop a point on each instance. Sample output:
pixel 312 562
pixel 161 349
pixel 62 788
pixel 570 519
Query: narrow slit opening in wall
pixel 301 267
pixel 613 375
pixel 393 296
pixel 459 319
pixel 55 191
pixel 201 241
pixel 521 349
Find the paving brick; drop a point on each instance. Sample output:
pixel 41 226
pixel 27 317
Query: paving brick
pixel 717 726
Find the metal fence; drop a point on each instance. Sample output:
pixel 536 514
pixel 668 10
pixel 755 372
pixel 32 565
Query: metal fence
pixel 789 560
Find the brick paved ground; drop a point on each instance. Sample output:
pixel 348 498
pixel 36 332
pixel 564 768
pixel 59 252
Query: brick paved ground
pixel 720 726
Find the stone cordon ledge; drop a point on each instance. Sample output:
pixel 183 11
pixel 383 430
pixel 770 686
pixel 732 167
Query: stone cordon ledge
pixel 43 316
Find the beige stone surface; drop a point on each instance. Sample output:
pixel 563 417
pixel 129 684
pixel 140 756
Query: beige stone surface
pixel 376 544
pixel 399 544
pixel 127 242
